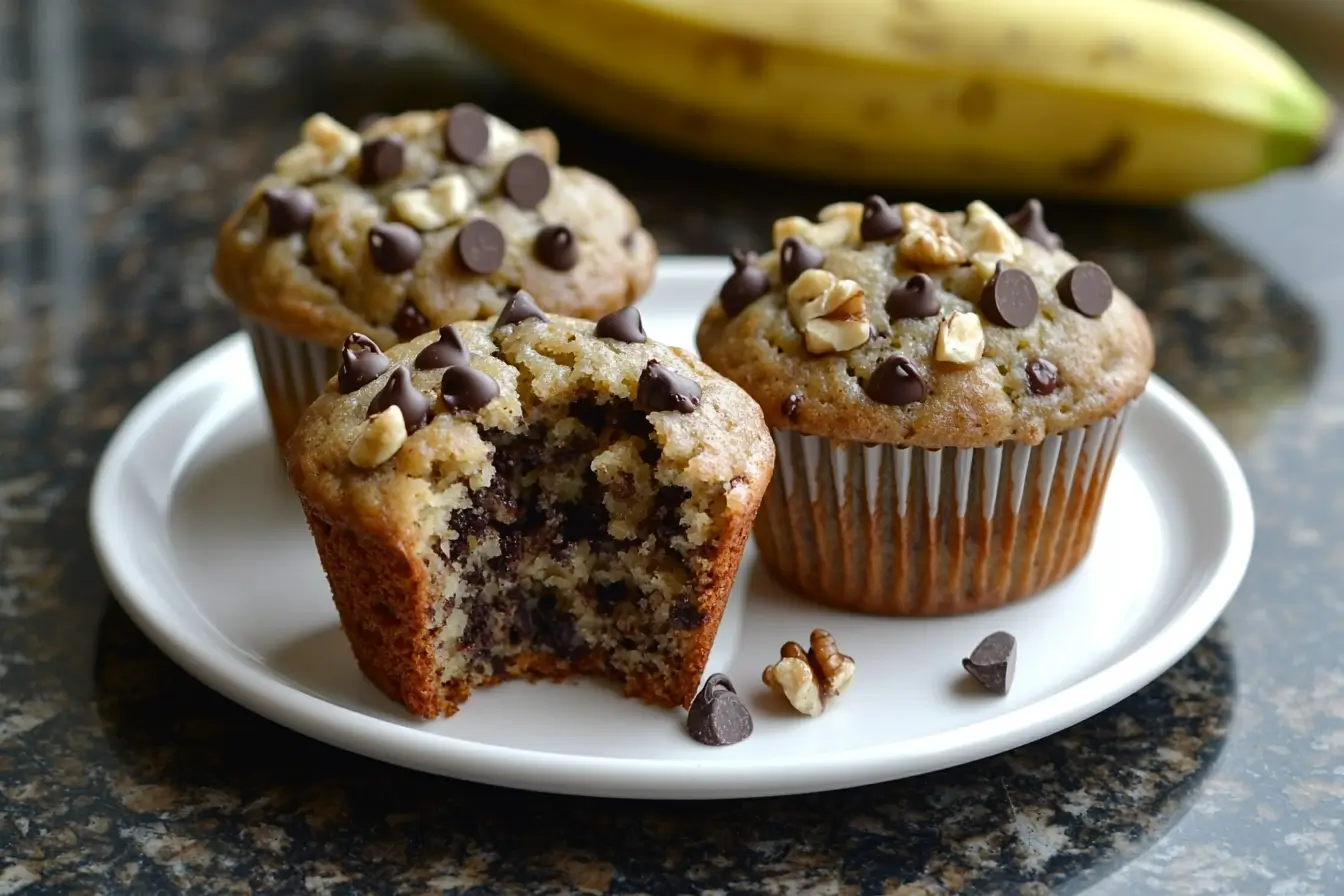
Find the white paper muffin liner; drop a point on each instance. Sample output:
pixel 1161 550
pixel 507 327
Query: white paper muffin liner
pixel 914 532
pixel 293 373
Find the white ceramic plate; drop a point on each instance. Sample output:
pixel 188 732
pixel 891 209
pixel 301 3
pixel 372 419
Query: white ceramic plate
pixel 205 546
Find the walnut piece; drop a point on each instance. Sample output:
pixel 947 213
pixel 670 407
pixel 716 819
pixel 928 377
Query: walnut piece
pixel 444 202
pixel 927 243
pixel 808 678
pixel 988 239
pixel 837 225
pixel 378 438
pixel 326 148
pixel 828 311
pixel 961 339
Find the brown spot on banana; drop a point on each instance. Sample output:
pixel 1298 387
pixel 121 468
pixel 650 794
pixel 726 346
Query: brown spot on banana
pixel 977 102
pixel 1104 164
pixel 1117 49
pixel 746 57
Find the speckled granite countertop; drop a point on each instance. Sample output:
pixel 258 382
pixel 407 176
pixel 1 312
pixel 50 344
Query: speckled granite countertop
pixel 125 130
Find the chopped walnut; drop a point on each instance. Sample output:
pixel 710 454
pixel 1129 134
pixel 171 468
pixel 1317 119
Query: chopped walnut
pixel 838 225
pixel 444 202
pixel 836 670
pixel 807 678
pixel 961 339
pixel 988 239
pixel 378 438
pixel 326 148
pixel 828 311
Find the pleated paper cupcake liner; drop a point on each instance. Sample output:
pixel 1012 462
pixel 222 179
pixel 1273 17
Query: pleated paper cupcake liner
pixel 293 373
pixel 905 531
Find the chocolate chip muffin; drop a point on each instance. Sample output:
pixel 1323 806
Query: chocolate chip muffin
pixel 409 223
pixel 530 497
pixel 946 392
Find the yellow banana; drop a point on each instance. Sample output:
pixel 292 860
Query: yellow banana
pixel 1142 100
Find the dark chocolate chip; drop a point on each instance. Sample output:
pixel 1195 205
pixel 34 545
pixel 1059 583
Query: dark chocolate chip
pixel 467 389
pixel 394 248
pixel 661 389
pixel 520 307
pixel 447 351
pixel 993 661
pixel 796 256
pixel 466 135
pixel 718 717
pixel 1009 299
pixel 409 322
pixel 288 210
pixel 527 180
pixel 896 382
pixel 1029 222
pixel 791 407
pixel 359 368
pixel 557 248
pixel 480 247
pixel 685 615
pixel 400 391
pixel 745 285
pixel 915 298
pixel 1087 289
pixel 623 325
pixel 381 159
pixel 1042 376
pixel 879 221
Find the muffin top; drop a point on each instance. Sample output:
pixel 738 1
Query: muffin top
pixel 422 219
pixel 902 325
pixel 452 394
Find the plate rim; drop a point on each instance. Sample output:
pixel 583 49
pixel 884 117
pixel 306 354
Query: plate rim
pixel 281 701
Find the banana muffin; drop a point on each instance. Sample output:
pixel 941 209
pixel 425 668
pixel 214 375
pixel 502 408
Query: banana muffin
pixel 946 392
pixel 530 497
pixel 409 223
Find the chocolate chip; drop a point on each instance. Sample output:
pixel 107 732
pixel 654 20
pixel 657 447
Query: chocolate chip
pixel 896 382
pixel 993 661
pixel 466 135
pixel 400 391
pixel 915 298
pixel 520 307
pixel 745 285
pixel 467 389
pixel 1087 289
pixel 381 159
pixel 1009 299
pixel 718 717
pixel 879 221
pixel 394 248
pixel 447 351
pixel 791 406
pixel 661 389
pixel 796 256
pixel 527 180
pixel 623 325
pixel 557 248
pixel 1029 222
pixel 1042 376
pixel 359 368
pixel 288 210
pixel 408 322
pixel 480 247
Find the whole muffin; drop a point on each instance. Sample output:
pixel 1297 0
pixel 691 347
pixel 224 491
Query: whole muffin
pixel 530 497
pixel 412 222
pixel 946 392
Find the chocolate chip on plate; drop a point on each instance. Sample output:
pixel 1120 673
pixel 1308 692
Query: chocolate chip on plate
pixel 796 256
pixel 519 307
pixel 791 406
pixel 896 382
pixel 1009 299
pixel 527 180
pixel 915 298
pixel 447 351
pixel 1029 222
pixel 1042 376
pixel 466 135
pixel 409 322
pixel 480 247
pixel 467 389
pixel 993 661
pixel 400 391
pixel 394 248
pixel 718 717
pixel 362 362
pixel 381 159
pixel 661 389
pixel 288 210
pixel 744 285
pixel 879 220
pixel 1086 289
pixel 622 325
pixel 557 247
